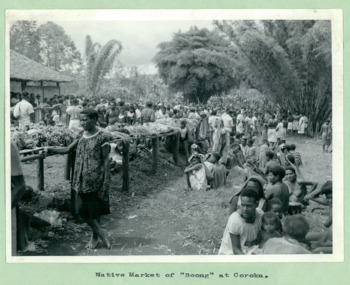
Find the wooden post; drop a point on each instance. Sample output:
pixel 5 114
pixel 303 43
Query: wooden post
pixel 40 176
pixel 155 144
pixel 176 148
pixel 23 85
pixel 68 166
pixel 126 178
pixel 67 119
pixel 317 131
pixel 42 91
pixel 59 88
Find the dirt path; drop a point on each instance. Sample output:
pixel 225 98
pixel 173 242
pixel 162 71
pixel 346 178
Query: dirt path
pixel 146 228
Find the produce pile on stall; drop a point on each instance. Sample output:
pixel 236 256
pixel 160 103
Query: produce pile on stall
pixel 159 127
pixel 39 135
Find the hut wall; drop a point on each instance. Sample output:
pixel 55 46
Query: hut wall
pixel 15 86
pixel 49 91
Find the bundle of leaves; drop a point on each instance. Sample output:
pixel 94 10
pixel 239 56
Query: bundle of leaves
pixel 38 135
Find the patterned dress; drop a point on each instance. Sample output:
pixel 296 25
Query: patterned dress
pixel 89 172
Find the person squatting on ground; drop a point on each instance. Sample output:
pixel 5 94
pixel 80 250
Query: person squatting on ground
pixel 198 174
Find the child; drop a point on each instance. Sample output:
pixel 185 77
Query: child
pixel 270 228
pixel 270 161
pixel 295 229
pixel 275 206
pixel 296 155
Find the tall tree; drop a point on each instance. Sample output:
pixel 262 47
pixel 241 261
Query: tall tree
pixel 288 61
pixel 198 63
pixel 25 40
pixel 57 50
pixel 99 61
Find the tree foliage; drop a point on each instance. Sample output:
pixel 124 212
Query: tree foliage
pixel 47 44
pixel 25 40
pixel 99 61
pixel 288 61
pixel 197 63
pixel 58 51
pixel 127 83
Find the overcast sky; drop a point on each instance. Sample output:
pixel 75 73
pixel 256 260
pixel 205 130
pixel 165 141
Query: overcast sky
pixel 139 39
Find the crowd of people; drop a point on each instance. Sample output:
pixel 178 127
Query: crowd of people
pixel 250 143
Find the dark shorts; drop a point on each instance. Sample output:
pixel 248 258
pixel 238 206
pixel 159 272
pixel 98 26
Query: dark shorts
pixel 91 206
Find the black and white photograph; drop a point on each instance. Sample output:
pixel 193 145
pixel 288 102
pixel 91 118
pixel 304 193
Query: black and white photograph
pixel 174 134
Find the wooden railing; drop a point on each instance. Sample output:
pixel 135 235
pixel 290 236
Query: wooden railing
pixel 38 154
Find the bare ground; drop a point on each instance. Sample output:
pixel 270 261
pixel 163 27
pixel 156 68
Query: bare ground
pixel 160 216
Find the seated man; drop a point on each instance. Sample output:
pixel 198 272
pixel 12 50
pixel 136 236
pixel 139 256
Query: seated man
pixel 243 226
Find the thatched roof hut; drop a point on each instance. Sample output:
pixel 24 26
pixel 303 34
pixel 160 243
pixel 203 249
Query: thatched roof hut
pixel 23 68
pixel 29 75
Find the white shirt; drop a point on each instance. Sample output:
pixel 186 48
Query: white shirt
pixel 248 121
pixel 228 122
pixel 254 119
pixel 198 179
pixel 192 115
pixel 246 232
pixel 240 118
pixel 160 115
pixel 213 121
pixel 22 111
pixel 138 113
pixel 73 112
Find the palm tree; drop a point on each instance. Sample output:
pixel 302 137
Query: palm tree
pixel 99 61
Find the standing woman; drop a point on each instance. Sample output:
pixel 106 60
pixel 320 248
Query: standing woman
pixel 91 178
pixel 217 136
pixel 301 126
pixel 280 133
pixel 326 135
pixel 271 133
pixel 290 122
pixel 73 112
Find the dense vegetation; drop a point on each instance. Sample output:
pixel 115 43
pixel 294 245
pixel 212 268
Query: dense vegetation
pixel 288 62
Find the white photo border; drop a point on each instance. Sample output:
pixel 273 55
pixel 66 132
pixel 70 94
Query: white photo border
pixel 336 18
